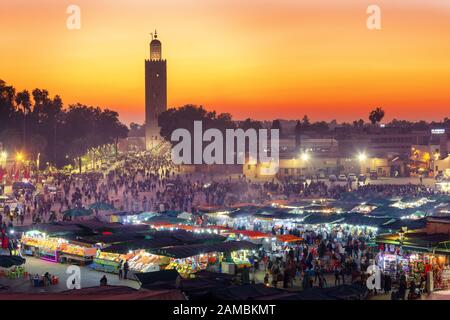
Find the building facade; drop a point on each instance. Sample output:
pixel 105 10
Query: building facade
pixel 155 92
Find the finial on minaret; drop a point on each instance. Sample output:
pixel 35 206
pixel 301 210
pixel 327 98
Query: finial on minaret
pixel 156 34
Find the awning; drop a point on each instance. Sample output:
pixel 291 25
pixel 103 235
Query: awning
pixel 180 252
pixel 288 238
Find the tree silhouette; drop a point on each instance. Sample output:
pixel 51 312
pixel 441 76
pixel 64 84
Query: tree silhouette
pixel 376 115
pixel 51 130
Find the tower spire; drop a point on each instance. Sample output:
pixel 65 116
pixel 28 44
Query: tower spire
pixel 156 34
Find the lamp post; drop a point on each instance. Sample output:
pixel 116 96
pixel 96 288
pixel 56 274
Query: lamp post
pixel 38 161
pixel 3 157
pixel 362 157
pixel 305 158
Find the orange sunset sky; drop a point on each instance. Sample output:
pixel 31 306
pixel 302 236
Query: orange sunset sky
pixel 263 59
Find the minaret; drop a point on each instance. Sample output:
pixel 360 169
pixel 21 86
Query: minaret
pixel 155 92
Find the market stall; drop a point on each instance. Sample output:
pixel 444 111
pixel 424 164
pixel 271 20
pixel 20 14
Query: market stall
pixel 55 249
pixel 418 255
pixel 108 261
pixel 214 257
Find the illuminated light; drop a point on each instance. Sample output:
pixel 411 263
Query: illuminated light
pixel 304 156
pixel 19 156
pixel 4 155
pixel 437 131
pixel 362 156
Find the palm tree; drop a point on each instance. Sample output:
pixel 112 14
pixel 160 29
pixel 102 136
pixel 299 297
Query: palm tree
pixel 375 116
pixel 23 99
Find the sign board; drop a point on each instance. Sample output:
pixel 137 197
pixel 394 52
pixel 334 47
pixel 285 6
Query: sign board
pixel 437 131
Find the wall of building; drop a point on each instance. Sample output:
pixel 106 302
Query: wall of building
pixel 324 166
pixel 442 166
pixel 380 165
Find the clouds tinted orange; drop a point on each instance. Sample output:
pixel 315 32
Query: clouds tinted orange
pixel 264 59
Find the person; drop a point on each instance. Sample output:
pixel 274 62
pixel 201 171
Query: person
pixel 337 276
pixel 343 275
pixel 266 280
pixel 125 270
pixel 103 281
pixel 36 280
pixel 387 283
pixel 47 279
pixel 412 290
pixel 402 286
pixel 121 270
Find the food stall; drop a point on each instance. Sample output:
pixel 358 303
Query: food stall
pixel 108 261
pixel 142 261
pixel 189 265
pixel 190 259
pixel 393 263
pixel 36 243
pixel 74 253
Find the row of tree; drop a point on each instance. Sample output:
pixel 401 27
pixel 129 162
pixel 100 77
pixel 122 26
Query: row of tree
pixel 183 118
pixel 37 123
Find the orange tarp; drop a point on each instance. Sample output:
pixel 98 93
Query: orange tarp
pixel 288 238
pixel 162 224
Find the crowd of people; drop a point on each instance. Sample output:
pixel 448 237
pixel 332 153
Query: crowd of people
pixel 150 183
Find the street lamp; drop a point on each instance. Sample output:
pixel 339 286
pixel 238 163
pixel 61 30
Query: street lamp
pixel 304 156
pixel 38 160
pixel 362 156
pixel 19 156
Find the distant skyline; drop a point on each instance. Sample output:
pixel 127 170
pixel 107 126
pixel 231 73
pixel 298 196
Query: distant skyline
pixel 259 59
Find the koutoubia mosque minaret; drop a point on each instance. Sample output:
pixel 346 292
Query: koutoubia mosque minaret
pixel 155 92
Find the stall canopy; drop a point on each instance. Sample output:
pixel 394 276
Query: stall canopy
pixel 101 206
pixel 180 252
pixel 365 220
pixel 151 279
pixel 163 220
pixel 52 229
pixel 248 233
pixel 141 244
pixel 319 218
pixel 419 241
pixel 78 212
pixel 96 226
pixel 110 238
pixel 398 224
pixel 162 239
pixel 278 214
pixel 288 238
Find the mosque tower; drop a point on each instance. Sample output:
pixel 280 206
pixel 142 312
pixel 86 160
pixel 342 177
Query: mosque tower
pixel 155 92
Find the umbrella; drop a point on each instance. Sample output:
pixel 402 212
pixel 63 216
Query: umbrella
pixel 78 212
pixel 9 261
pixel 101 206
